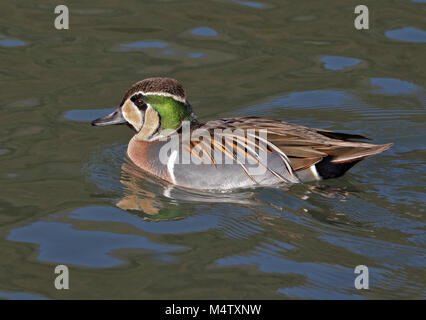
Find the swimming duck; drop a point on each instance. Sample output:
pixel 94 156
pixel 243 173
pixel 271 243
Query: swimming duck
pixel 170 143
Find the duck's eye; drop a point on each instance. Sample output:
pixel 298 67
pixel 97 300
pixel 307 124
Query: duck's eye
pixel 138 101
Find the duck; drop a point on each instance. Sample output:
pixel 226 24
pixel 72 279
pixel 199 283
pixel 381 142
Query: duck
pixel 169 142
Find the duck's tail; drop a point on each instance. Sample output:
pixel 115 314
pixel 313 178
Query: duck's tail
pixel 344 158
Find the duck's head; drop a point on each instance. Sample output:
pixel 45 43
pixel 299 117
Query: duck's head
pixel 151 106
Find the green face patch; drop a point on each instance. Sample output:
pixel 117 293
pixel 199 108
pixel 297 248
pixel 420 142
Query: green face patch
pixel 171 112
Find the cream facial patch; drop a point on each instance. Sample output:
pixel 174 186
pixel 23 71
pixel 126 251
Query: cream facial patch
pixel 132 114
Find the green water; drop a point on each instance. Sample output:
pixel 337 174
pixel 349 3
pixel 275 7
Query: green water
pixel 68 196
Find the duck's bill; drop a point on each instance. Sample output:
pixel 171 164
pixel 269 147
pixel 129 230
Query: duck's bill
pixel 115 117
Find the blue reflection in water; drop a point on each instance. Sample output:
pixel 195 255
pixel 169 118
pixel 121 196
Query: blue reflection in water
pixel 308 99
pixel 61 243
pixel 168 51
pixel 190 224
pixel 408 34
pixel 204 31
pixel 251 4
pixel 393 255
pixel 20 296
pixel 87 115
pixel 315 276
pixel 307 292
pixel 340 278
pixel 11 43
pixel 145 44
pixel 25 103
pixel 338 63
pixel 196 55
pixel 395 87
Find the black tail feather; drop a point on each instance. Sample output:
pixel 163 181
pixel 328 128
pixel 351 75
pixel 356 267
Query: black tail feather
pixel 328 169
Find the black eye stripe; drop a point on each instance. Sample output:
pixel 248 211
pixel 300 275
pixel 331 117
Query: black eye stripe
pixel 137 99
pixel 136 96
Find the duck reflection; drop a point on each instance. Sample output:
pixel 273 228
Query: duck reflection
pixel 159 199
pixel 136 196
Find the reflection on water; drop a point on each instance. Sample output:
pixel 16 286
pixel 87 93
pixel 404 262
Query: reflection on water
pixel 395 87
pixel 20 296
pixel 69 194
pixel 87 115
pixel 251 4
pixel 408 34
pixel 31 102
pixel 338 63
pixel 326 99
pixel 175 51
pixel 62 244
pixel 11 43
pixel 169 226
pixel 196 55
pixel 268 259
pixel 145 45
pixel 204 31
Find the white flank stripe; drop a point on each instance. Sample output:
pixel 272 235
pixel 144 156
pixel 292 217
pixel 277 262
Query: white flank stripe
pixel 171 165
pixel 315 172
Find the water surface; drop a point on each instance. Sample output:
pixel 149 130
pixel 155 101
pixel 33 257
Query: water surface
pixel 69 196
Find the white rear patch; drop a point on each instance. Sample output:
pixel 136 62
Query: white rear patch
pixel 171 165
pixel 315 172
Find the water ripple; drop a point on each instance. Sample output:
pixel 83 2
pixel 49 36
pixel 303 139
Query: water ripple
pixel 395 87
pixel 61 243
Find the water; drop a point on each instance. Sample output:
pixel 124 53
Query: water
pixel 69 196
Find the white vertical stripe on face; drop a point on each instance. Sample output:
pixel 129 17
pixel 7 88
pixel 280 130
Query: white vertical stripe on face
pixel 171 165
pixel 151 122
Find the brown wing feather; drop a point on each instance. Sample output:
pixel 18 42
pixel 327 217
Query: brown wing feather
pixel 303 146
pixel 341 136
